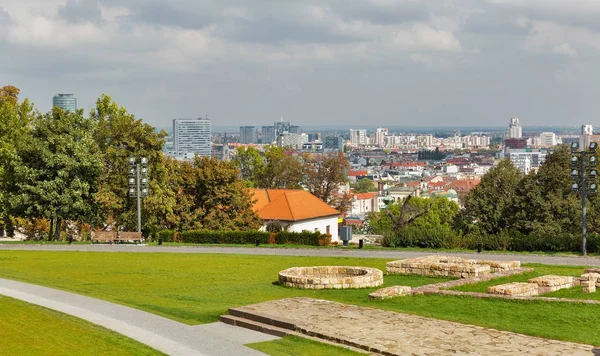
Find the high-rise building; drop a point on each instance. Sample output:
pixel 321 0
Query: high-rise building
pixel 295 129
pixel 292 140
pixel 191 137
pixel 248 134
pixel 587 129
pixel 334 143
pixel 380 134
pixel 67 102
pixel 514 128
pixel 358 137
pixel 547 139
pixel 281 127
pixel 268 134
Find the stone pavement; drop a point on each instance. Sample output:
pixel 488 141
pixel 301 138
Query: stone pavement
pixel 165 335
pixel 392 333
pixel 325 252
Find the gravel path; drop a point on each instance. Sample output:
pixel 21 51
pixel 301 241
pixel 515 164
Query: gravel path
pixel 338 252
pixel 165 335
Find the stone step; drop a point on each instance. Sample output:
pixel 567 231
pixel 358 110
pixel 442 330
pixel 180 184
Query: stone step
pixel 256 326
pixel 248 315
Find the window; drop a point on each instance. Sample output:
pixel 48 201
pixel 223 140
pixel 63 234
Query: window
pixel 327 229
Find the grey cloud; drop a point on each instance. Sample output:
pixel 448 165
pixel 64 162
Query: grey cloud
pixel 77 11
pixel 385 15
pixel 5 18
pixel 493 23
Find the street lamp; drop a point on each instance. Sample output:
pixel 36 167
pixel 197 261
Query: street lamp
pixel 581 176
pixel 138 189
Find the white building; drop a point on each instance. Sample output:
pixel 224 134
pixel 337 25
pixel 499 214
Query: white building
pixel 292 140
pixel 547 139
pixel 191 137
pixel 380 134
pixel 526 159
pixel 358 137
pixel 425 141
pixel 514 128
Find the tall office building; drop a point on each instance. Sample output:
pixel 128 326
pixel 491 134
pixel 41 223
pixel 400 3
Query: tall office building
pixel 281 127
pixel 380 134
pixel 514 128
pixel 191 137
pixel 268 134
pixel 67 102
pixel 334 143
pixel 358 137
pixel 547 139
pixel 296 129
pixel 248 134
pixel 587 129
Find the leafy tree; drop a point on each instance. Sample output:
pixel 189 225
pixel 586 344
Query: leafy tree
pixel 10 94
pixel 490 203
pixel 324 174
pixel 58 169
pixel 121 135
pixel 281 170
pixel 364 185
pixel 251 164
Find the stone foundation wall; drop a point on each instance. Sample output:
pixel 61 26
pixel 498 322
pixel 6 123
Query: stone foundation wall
pixel 331 277
pixel 390 292
pixel 515 289
pixel 449 266
pixel 551 283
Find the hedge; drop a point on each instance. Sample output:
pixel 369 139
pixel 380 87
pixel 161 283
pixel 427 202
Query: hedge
pixel 242 237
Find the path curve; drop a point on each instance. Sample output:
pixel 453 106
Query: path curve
pixel 165 335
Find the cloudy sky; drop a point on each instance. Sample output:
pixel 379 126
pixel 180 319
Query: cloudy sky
pixel 327 62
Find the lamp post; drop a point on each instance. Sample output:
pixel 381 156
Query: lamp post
pixel 581 175
pixel 138 188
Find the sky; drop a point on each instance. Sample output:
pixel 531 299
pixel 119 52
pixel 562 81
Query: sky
pixel 326 62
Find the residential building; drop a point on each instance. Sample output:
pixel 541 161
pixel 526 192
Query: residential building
pixel 380 134
pixel 268 135
pixel 425 141
pixel 248 134
pixel 281 127
pixel 365 203
pixel 295 211
pixel 287 139
pixel 191 137
pixel 67 102
pixel 358 137
pixel 514 128
pixel 547 139
pixel 525 160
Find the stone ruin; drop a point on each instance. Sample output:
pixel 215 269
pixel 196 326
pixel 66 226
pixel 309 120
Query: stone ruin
pixel 534 286
pixel 331 277
pixel 444 266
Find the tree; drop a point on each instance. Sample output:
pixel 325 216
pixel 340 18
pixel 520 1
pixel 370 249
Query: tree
pixel 251 164
pixel 121 135
pixel 364 185
pixel 58 170
pixel 281 170
pixel 210 196
pixel 490 203
pixel 324 174
pixel 10 94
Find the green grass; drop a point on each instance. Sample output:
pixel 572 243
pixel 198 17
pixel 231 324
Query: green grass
pixel 297 346
pixel 27 329
pixel 197 288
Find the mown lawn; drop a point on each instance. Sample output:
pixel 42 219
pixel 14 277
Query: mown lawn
pixel 197 288
pixel 27 329
pixel 297 346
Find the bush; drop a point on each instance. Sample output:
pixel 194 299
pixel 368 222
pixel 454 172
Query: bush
pixel 166 235
pixel 246 237
pixel 298 238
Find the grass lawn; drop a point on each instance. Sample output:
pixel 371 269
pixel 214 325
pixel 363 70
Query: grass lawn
pixel 28 329
pixel 297 346
pixel 197 288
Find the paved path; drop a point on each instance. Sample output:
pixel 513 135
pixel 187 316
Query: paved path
pixel 394 333
pixel 337 252
pixel 162 334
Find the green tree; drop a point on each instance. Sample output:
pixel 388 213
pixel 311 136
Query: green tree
pixel 120 136
pixel 281 170
pixel 364 185
pixel 251 165
pixel 324 174
pixel 490 203
pixel 58 169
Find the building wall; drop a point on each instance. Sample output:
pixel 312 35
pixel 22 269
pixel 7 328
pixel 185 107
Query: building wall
pixel 268 134
pixel 192 136
pixel 67 102
pixel 320 224
pixel 248 134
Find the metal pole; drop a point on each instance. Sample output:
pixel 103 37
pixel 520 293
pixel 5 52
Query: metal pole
pixel 583 210
pixel 139 200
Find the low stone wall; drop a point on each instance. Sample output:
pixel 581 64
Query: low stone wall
pixel 445 266
pixel 331 277
pixel 390 292
pixel 515 289
pixel 551 283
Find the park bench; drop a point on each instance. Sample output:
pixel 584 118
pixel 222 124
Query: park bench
pixel 129 236
pixel 104 236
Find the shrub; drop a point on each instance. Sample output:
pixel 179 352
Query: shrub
pixel 298 238
pixel 166 235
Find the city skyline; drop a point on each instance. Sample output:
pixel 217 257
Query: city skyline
pixel 460 63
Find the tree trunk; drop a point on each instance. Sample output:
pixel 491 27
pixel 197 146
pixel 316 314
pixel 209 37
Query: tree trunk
pixel 57 231
pixel 51 228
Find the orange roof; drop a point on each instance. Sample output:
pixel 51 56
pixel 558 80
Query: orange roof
pixel 465 184
pixel 362 196
pixel 357 173
pixel 289 205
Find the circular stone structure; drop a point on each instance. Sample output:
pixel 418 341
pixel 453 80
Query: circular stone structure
pixel 331 277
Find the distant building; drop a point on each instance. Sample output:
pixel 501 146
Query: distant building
pixel 334 143
pixel 292 140
pixel 514 128
pixel 547 139
pixel 515 143
pixel 380 134
pixel 526 160
pixel 295 129
pixel 248 134
pixel 191 137
pixel 587 129
pixel 67 102
pixel 268 135
pixel 358 137
pixel 282 127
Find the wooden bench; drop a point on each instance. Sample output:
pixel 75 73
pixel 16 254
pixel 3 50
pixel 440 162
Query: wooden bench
pixel 130 236
pixel 104 236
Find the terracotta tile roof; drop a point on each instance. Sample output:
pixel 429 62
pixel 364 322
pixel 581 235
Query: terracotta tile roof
pixel 363 196
pixel 356 173
pixel 289 205
pixel 464 185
